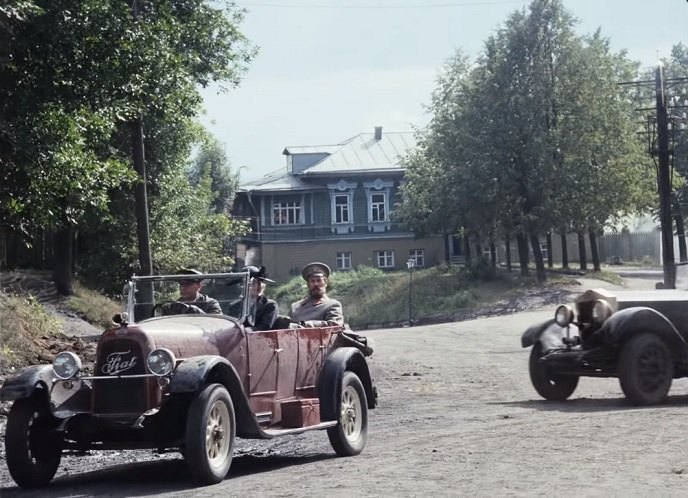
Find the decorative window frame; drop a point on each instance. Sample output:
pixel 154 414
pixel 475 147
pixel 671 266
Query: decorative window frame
pixel 416 255
pixel 342 187
pixel 378 186
pixel 344 257
pixel 385 253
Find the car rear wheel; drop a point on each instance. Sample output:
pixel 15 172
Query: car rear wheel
pixel 548 385
pixel 349 436
pixel 33 448
pixel 646 369
pixel 210 433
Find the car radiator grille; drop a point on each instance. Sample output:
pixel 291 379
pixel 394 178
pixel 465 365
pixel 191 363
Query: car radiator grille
pixel 120 357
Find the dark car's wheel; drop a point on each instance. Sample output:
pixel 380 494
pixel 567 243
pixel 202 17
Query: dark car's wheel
pixel 33 447
pixel 210 432
pixel 646 369
pixel 550 386
pixel 349 436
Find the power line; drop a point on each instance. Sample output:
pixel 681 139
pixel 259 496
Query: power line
pixel 380 7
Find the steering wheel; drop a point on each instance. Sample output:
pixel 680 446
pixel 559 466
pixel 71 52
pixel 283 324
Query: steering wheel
pixel 176 308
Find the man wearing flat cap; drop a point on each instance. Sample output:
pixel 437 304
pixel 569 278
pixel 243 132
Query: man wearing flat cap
pixel 317 310
pixel 190 292
pixel 262 311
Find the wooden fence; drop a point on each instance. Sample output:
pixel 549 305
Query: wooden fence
pixel 16 252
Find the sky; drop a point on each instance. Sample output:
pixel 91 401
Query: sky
pixel 328 70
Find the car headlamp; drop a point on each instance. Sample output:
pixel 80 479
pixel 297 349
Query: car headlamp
pixel 601 310
pixel 161 362
pixel 563 316
pixel 66 365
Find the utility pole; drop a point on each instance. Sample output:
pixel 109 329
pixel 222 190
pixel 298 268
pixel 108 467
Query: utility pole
pixel 664 179
pixel 662 125
pixel 140 192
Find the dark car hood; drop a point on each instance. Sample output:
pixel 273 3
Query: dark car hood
pixel 673 304
pixel 189 325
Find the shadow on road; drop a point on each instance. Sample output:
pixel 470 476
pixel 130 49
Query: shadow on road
pixel 588 405
pixel 154 477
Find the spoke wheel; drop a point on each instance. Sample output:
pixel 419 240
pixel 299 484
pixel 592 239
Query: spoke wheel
pixel 349 436
pixel 33 447
pixel 210 433
pixel 549 386
pixel 646 369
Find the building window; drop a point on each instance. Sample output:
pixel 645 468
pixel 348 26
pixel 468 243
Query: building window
pixel 341 208
pixel 286 213
pixel 377 207
pixel 418 257
pixel 344 260
pixel 385 259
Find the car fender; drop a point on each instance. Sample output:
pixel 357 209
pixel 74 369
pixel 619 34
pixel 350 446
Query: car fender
pixel 193 373
pixel 330 385
pixel 548 332
pixel 23 384
pixel 625 323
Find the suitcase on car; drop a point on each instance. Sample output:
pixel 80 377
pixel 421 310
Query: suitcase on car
pixel 300 412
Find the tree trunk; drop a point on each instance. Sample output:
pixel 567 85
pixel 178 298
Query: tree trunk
pixel 537 255
pixel 550 258
pixel 594 250
pixel 467 249
pixel 447 249
pixel 522 243
pixel 681 232
pixel 507 243
pixel 64 259
pixel 581 251
pixel 493 255
pixel 564 251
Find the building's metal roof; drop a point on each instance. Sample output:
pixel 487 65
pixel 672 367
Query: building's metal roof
pixel 312 149
pixel 277 180
pixel 364 153
pixel 360 154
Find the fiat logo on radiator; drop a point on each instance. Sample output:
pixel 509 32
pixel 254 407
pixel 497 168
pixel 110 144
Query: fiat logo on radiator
pixel 116 363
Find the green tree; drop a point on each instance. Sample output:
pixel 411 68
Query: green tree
pixel 80 71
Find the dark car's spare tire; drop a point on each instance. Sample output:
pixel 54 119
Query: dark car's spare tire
pixel 349 436
pixel 210 433
pixel 32 445
pixel 549 385
pixel 646 369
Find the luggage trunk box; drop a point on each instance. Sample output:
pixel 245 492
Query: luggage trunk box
pixel 300 413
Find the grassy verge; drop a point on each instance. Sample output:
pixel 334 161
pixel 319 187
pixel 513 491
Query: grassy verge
pixel 93 307
pixel 23 322
pixel 373 298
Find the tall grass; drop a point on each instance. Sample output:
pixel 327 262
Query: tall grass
pixel 93 307
pixel 23 321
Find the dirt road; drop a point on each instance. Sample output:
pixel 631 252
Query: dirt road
pixel 457 416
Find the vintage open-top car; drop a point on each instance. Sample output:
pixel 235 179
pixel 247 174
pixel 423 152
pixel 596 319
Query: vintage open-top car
pixel 172 378
pixel 641 337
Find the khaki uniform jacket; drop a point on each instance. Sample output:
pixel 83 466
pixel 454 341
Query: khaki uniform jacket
pixel 322 313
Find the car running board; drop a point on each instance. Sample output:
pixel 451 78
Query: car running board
pixel 299 430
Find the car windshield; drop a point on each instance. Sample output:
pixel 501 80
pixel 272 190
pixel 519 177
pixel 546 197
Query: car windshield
pixel 170 295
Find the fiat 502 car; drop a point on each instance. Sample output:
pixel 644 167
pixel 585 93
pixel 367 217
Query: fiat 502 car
pixel 639 337
pixel 169 377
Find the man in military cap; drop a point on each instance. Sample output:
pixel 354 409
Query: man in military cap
pixel 317 310
pixel 190 293
pixel 262 311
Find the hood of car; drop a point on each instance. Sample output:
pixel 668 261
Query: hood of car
pixel 188 325
pixel 673 304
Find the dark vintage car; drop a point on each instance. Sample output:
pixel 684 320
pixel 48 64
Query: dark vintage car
pixel 641 337
pixel 170 378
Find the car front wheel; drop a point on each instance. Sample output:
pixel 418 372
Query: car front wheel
pixel 33 448
pixel 210 433
pixel 646 369
pixel 349 436
pixel 548 385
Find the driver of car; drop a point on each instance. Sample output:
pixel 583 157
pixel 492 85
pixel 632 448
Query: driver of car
pixel 317 310
pixel 190 294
